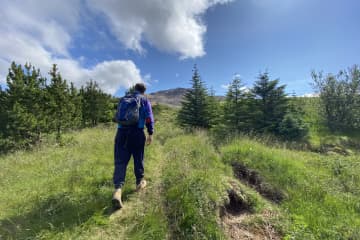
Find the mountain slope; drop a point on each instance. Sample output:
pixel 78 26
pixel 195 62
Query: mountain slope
pixel 171 97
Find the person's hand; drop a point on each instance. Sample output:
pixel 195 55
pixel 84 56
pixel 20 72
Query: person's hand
pixel 149 139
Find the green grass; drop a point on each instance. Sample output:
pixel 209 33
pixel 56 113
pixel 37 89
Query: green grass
pixel 322 192
pixel 54 190
pixel 194 185
pixel 319 134
pixel 64 191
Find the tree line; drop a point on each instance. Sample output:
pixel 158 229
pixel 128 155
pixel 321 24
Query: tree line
pixel 267 109
pixel 32 105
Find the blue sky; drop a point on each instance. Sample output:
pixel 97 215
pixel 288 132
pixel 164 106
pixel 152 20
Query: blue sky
pixel 120 42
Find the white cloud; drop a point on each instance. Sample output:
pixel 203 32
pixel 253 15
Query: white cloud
pixel 112 74
pixel 237 75
pixel 172 25
pixel 3 65
pixel 225 86
pixel 44 21
pixel 41 34
pixel 310 95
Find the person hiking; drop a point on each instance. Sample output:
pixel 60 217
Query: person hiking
pixel 133 112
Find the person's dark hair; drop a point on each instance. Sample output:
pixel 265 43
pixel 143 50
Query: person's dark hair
pixel 140 87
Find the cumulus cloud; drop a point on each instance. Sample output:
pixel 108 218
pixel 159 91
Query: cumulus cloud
pixel 172 25
pixel 310 95
pixel 111 74
pixel 225 86
pixel 3 65
pixel 44 21
pixel 41 34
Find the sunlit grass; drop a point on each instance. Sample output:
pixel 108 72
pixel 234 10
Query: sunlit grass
pixel 64 191
pixel 322 192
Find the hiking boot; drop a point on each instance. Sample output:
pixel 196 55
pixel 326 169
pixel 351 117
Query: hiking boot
pixel 116 200
pixel 141 185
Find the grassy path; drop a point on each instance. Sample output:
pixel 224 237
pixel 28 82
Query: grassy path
pixel 65 192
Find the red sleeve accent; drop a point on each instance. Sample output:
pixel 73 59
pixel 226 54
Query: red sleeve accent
pixel 148 120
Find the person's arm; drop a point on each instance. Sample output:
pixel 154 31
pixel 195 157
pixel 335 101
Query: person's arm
pixel 149 121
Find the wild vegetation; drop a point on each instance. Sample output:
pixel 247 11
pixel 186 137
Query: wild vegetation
pixel 340 98
pixel 264 109
pixel 253 184
pixel 32 106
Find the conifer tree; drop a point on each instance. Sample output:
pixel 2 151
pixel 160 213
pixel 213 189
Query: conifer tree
pixel 61 109
pixel 238 107
pixel 130 90
pixel 194 111
pixel 24 104
pixel 214 109
pixel 271 104
pixel 3 109
pixel 75 98
pixel 293 127
pixel 96 105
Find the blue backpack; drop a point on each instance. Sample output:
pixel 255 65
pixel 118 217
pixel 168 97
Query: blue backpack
pixel 128 109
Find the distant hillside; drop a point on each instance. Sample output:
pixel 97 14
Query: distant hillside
pixel 171 97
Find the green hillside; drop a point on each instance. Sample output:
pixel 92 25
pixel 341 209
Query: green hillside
pixel 241 190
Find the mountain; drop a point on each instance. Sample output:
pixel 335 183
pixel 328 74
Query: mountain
pixel 171 97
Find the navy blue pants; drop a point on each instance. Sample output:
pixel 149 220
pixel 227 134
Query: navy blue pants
pixel 128 142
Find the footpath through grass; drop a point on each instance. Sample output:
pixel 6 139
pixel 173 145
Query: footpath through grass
pixel 64 192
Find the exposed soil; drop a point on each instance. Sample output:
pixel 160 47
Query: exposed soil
pixel 254 180
pixel 236 214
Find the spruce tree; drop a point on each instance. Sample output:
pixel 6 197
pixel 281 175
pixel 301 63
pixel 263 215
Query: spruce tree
pixel 96 105
pixel 3 110
pixel 214 109
pixel 61 109
pixel 75 98
pixel 24 104
pixel 293 126
pixel 194 110
pixel 237 108
pixel 130 90
pixel 3 121
pixel 271 104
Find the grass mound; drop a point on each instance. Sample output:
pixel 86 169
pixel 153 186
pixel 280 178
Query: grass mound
pixel 321 202
pixel 194 185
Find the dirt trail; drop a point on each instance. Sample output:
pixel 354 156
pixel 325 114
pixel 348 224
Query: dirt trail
pixel 253 179
pixel 135 204
pixel 239 222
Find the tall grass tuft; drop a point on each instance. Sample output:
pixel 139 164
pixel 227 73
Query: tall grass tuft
pixel 322 197
pixel 194 185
